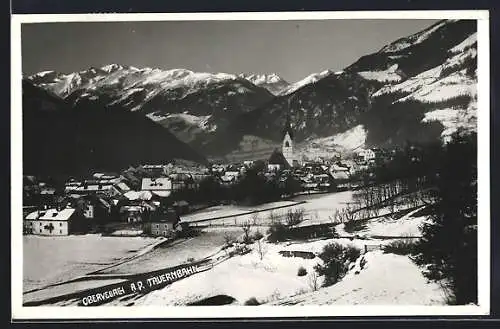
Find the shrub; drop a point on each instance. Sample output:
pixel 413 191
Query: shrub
pixel 252 301
pixel 273 217
pixel 278 232
pixel 294 216
pixel 302 271
pixel 258 235
pixel 401 247
pixel 336 259
pixel 355 225
pixel 189 232
pixel 246 233
pixel 229 239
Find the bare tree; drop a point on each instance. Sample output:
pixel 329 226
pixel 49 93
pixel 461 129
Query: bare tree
pixel 294 216
pixel 246 232
pixel 255 218
pixel 313 281
pixel 261 249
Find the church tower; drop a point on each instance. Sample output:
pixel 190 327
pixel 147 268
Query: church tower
pixel 287 146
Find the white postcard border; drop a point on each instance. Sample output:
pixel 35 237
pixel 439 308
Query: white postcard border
pixel 20 312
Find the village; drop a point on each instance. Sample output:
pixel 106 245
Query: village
pixel 151 199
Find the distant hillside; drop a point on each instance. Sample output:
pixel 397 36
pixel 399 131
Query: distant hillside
pixel 419 88
pixel 61 140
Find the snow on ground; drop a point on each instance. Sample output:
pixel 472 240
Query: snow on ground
pixel 49 260
pixel 386 279
pixel 192 120
pixel 240 277
pixel 456 84
pixel 231 210
pixel 414 39
pixel 454 119
pixel 469 42
pixel 349 139
pixel 429 86
pixel 317 207
pixel 388 75
pixel 199 247
pixel 67 288
pixel 403 227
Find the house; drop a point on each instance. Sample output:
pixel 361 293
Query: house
pixel 91 186
pixel 182 181
pixel 277 161
pixel 106 176
pixel 161 186
pixel 248 163
pixel 155 170
pixel 138 195
pixel 339 172
pixel 132 213
pixel 119 188
pixel 162 223
pixel 55 222
pixel 367 155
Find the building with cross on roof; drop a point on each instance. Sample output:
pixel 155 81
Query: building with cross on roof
pixel 287 147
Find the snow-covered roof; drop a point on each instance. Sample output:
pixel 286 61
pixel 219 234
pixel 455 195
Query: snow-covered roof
pixel 53 214
pixel 340 175
pixel 32 215
pixel 122 186
pixel 156 184
pixel 138 195
pixel 163 194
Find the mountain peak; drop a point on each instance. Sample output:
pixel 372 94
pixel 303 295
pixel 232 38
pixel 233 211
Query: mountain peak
pixel 272 81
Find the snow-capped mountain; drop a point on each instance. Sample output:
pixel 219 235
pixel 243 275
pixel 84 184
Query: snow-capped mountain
pixel 312 78
pixel 420 88
pixel 190 104
pixel 272 82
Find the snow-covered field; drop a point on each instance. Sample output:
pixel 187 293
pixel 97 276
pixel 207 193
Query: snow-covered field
pixel 231 210
pixel 199 247
pixel 48 260
pixel 240 277
pixel 386 279
pixel 317 207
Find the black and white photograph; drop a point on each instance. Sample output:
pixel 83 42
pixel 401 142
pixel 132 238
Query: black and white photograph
pixel 259 165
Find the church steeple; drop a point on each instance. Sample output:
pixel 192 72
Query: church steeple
pixel 288 126
pixel 288 147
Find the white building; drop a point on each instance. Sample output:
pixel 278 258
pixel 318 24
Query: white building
pixel 287 147
pixel 367 155
pixel 52 222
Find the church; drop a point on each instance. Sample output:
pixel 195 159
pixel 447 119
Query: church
pixel 287 147
pixel 286 158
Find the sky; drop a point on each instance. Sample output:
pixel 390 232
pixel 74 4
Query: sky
pixel 291 49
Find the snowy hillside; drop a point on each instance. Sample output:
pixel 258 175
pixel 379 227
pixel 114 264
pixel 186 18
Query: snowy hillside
pixel 414 39
pixel 392 273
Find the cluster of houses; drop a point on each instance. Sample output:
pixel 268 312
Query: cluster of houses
pixel 135 196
